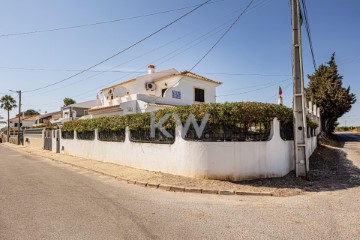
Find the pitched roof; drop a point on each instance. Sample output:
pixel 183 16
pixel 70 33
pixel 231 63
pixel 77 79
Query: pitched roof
pixel 87 104
pixel 190 74
pixel 24 118
pixel 184 73
pixel 169 71
pixel 105 109
pixel 161 105
pixel 48 114
pixel 119 84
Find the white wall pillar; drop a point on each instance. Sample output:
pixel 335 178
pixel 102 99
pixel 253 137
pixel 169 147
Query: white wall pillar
pixel 310 107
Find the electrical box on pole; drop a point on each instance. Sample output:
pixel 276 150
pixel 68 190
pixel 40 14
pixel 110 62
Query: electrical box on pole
pixel 299 101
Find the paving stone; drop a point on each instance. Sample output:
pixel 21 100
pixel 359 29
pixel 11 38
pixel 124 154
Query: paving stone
pixel 121 178
pixel 193 190
pixel 131 182
pixel 165 187
pixel 226 192
pixel 254 193
pixel 143 184
pixel 153 185
pixel 177 189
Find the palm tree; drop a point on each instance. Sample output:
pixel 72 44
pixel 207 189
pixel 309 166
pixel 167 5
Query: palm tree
pixel 7 103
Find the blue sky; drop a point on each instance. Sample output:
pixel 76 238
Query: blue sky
pixel 260 43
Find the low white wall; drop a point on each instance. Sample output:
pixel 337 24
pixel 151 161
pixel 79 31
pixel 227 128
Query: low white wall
pixel 34 140
pixel 212 160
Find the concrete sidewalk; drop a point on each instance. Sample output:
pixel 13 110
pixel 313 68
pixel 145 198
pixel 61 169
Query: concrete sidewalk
pixel 159 180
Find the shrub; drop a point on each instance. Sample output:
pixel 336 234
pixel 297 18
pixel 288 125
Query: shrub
pixel 229 114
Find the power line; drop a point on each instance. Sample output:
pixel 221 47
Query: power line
pixel 122 51
pixel 260 4
pixel 249 74
pixel 255 6
pixel 307 27
pixel 110 70
pixel 195 40
pixel 102 22
pixel 253 86
pixel 60 70
pixel 204 36
pixel 254 90
pixel 222 36
pixel 122 71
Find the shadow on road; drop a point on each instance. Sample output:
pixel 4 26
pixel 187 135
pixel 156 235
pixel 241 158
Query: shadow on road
pixel 346 137
pixel 330 170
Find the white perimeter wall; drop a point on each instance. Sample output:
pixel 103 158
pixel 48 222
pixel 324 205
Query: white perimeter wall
pixel 34 140
pixel 212 160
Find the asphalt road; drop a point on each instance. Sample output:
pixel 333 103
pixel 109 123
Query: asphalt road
pixel 348 137
pixel 350 143
pixel 41 199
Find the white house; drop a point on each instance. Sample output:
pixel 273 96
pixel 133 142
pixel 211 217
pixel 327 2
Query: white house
pixel 47 119
pixel 26 121
pixel 156 90
pixel 76 110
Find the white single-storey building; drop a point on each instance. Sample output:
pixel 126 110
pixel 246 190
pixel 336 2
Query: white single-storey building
pixel 156 90
pixel 26 121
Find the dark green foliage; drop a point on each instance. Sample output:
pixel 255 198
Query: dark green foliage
pixel 30 112
pixel 8 103
pixel 311 123
pixel 68 101
pixel 325 89
pixel 230 114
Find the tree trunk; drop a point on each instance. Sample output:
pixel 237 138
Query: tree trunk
pixel 8 126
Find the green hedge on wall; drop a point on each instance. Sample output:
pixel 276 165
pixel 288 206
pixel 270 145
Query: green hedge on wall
pixel 231 114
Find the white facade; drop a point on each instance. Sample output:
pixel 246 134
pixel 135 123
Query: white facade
pixel 26 121
pixel 154 91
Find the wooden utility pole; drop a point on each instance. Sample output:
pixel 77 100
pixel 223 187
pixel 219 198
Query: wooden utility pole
pixel 299 101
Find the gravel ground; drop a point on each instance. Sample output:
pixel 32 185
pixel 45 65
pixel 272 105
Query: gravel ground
pixel 330 170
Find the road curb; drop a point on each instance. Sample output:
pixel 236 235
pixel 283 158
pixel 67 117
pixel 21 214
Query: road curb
pixel 193 190
pixel 177 189
pixel 209 191
pixel 142 184
pixel 226 192
pixel 165 187
pixel 153 185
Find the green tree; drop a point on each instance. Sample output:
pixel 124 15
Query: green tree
pixel 8 103
pixel 29 112
pixel 326 90
pixel 68 101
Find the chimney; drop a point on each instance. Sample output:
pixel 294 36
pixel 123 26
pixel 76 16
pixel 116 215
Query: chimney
pixel 151 68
